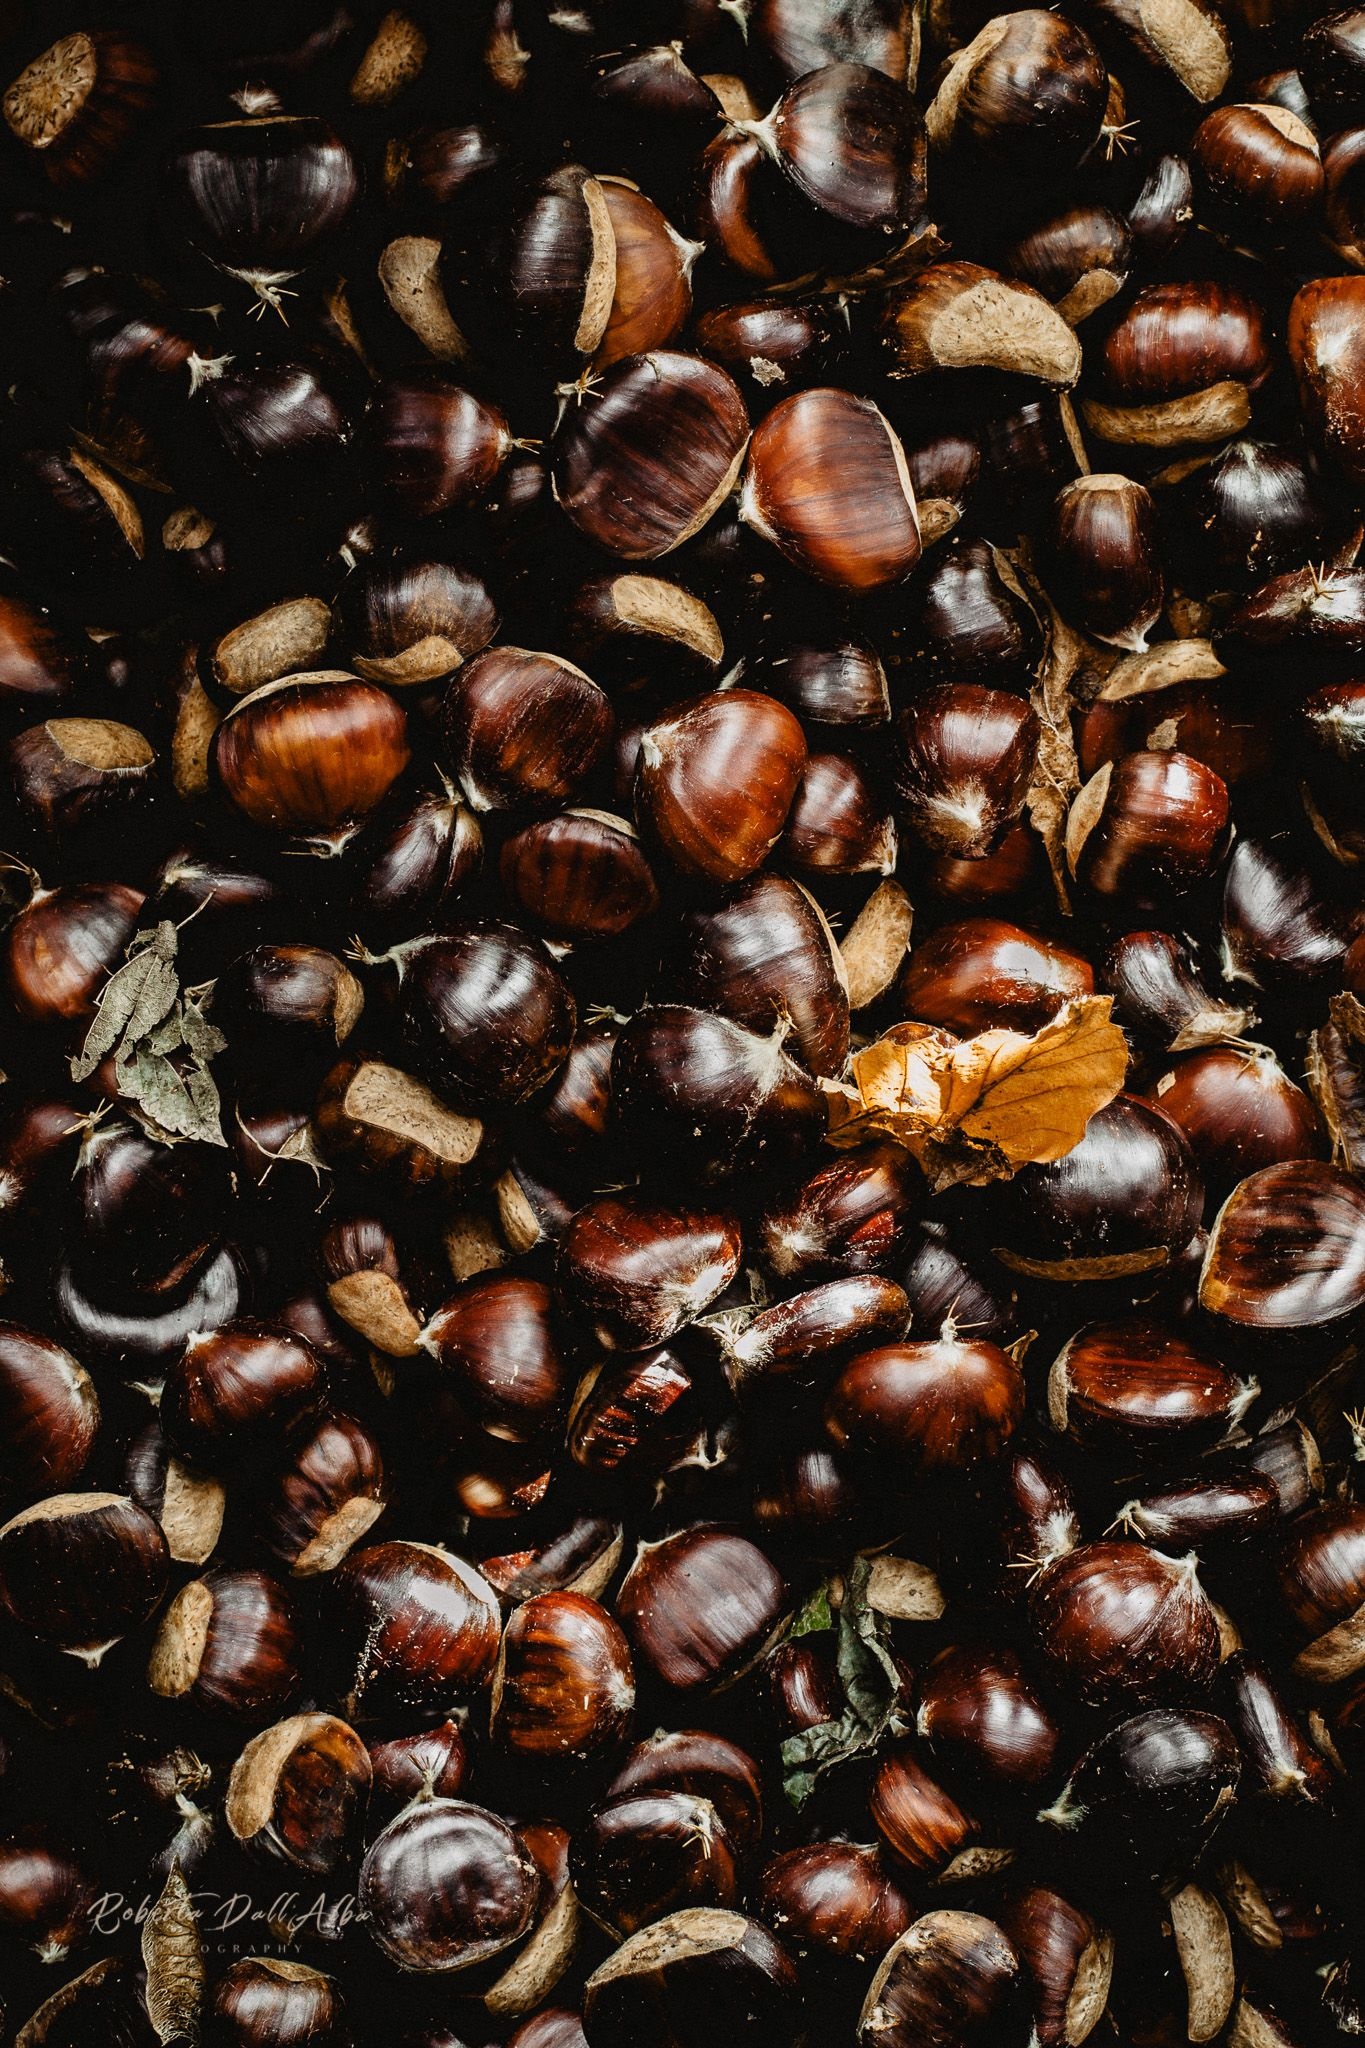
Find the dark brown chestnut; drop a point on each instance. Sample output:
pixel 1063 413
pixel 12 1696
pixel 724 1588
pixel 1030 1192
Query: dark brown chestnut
pixel 1140 1390
pixel 982 973
pixel 652 288
pixel 1027 95
pixel 429 1765
pixel 963 765
pixel 852 1216
pixel 496 1341
pixel 447 1886
pixel 700 1607
pixel 81 1570
pixel 1179 366
pixel 433 446
pixel 799 1341
pixel 714 1768
pixel 46 1897
pixel 637 1272
pixel 324 1496
pixel 710 1099
pixel 415 1630
pixel 640 1855
pixel 1104 561
pixel 1161 998
pixel 1079 258
pixel 944 1406
pixel 235 1389
pixel 1323 339
pixel 49 1414
pixel 1258 169
pixel 1240 1112
pixel 634 1416
pixel 642 465
pixel 1149 1796
pixel 839 823
pixel 1286 1254
pixel 564 1686
pixel 679 1980
pixel 950 1978
pixel 981 1715
pixel 1208 1514
pixel 712 816
pixel 228 1644
pixel 523 729
pixel 1069 1959
pixel 1321 1579
pixel 762 955
pixel 276 1999
pixel 485 1014
pixel 836 1899
pixel 1119 1624
pixel 62 946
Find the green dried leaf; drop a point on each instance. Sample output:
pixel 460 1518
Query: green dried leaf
pixel 816 1616
pixel 134 999
pixel 161 1041
pixel 871 1680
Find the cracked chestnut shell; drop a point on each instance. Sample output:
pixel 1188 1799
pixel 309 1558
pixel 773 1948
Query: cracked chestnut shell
pixel 1119 1625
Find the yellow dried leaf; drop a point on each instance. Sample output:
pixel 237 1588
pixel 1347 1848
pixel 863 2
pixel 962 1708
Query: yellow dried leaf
pixel 980 1108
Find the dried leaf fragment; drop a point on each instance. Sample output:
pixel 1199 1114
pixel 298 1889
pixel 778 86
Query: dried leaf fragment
pixel 161 1043
pixel 1335 1070
pixel 174 1962
pixel 979 1108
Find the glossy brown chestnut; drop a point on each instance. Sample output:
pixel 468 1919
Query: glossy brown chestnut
pixel 63 944
pixel 715 781
pixel 963 766
pixel 838 1899
pixel 415 1629
pixel 446 1886
pixel 1104 560
pixel 564 1686
pixel 652 289
pixel 983 973
pixel 1207 1514
pixel 434 447
pixel 1027 95
pixel 981 1715
pixel 45 1895
pixel 1120 1625
pixel 311 754
pixel 945 1406
pixel 412 863
pixel 1282 1760
pixel 1240 1112
pixel 81 1570
pixel 227 1644
pixel 1258 169
pixel 1179 364
pixel 1161 997
pixel 558 266
pixel 633 1417
pixel 1126 1200
pixel 430 1765
pixel 1321 1580
pixel 276 1999
pixel 638 1272
pixel 700 1607
pixel 1078 258
pixel 762 955
pixel 579 876
pixel 1141 1391
pixel 853 145
pixel 235 1389
pixel 496 1340
pixel 1069 1959
pixel 849 1217
pixel 951 1977
pixel 1286 1253
pixel 325 1495
pixel 827 484
pixel 523 729
pixel 298 1791
pixel 49 1414
pixel 1323 339
pixel 709 1099
pixel 487 1018
pixel 839 823
pixel 642 466
pixel 1151 1794
pixel 643 1854
pixel 797 1342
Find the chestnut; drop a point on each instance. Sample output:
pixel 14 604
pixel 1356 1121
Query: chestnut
pixel 853 145
pixel 522 729
pixel 963 766
pixel 1279 930
pixel 832 677
pixel 286 1006
pixel 228 1644
pixel 433 446
pixel 980 1713
pixel 1240 1112
pixel 45 1896
pixel 944 1406
pixel 1027 95
pixel 79 103
pixel 557 268
pixel 652 288
pixel 415 1630
pixel 1069 1959
pixel 709 819
pixel 70 778
pixel 710 1098
pixel 381 1121
pixel 153 1210
pixel 1139 1390
pixel 412 862
pixel 311 754
pixel 635 1416
pixel 839 823
pixel 447 1886
pixel 581 875
pixel 364 1283
pixel 700 1607
pixel 836 1899
pixel 645 463
pixel 1079 258
pixel 1126 1200
pixel 1161 997
pixel 1259 169
pixel 564 1686
pixel 638 1272
pixel 695 1760
pixel 50 1411
pixel 276 1999
pixel 798 1342
pixel 63 944
pixel 325 1495
pixel 950 1978
pixel 849 1217
pixel 429 1765
pixel 80 1570
pixel 1104 559
pixel 643 1854
pixel 496 1341
pixel 982 973
pixel 1179 365
pixel 298 1791
pixel 760 955
pixel 1283 1762
pixel 1122 1625
pixel 1207 1514
pixel 678 1981
pixel 960 316
pixel 235 1388
pixel 1256 511
pixel 796 491
pixel 485 1015
pixel 1150 1795
pixel 1286 1254
pixel 1319 1571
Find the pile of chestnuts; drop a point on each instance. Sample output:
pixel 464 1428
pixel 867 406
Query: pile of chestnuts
pixel 682 1010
